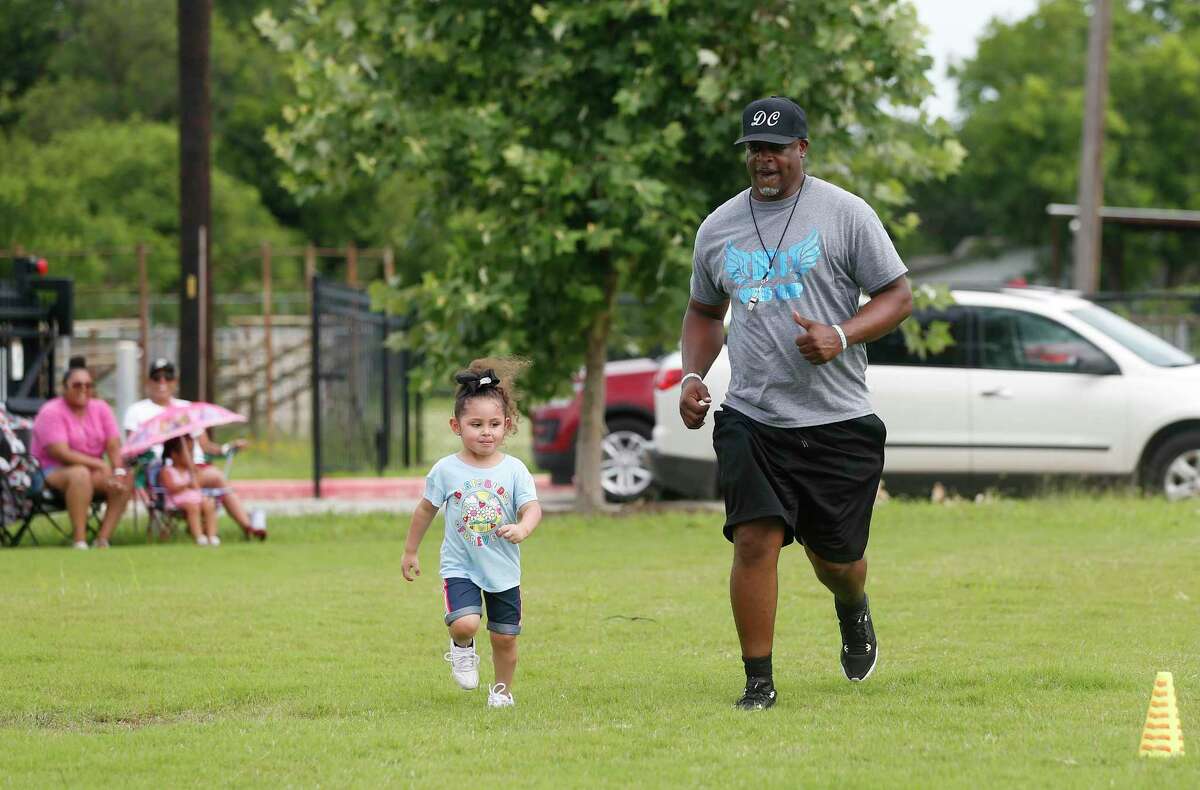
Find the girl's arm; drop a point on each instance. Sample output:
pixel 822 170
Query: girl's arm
pixel 193 478
pixel 528 518
pixel 422 517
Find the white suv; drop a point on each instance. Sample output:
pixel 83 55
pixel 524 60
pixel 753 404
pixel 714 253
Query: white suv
pixel 1038 382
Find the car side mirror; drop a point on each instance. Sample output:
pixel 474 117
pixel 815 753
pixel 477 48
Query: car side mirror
pixel 1096 365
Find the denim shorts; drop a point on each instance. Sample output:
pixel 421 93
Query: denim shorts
pixel 37 480
pixel 464 597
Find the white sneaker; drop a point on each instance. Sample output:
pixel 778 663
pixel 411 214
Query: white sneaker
pixel 81 545
pixel 202 540
pixel 213 540
pixel 500 697
pixel 464 665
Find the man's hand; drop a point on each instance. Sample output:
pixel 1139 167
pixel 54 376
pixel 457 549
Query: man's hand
pixel 410 566
pixel 694 402
pixel 513 533
pixel 819 342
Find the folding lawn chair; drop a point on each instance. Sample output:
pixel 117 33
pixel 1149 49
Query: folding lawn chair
pixel 164 521
pixel 50 505
pixel 15 481
pixel 161 521
pixel 24 496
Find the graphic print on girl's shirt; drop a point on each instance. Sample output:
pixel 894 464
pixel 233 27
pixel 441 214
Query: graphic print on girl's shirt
pixel 482 502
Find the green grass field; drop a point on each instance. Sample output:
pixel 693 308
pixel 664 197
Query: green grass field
pixel 1018 645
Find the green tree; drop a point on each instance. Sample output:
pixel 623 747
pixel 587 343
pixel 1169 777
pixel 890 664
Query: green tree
pixel 110 186
pixel 27 42
pixel 113 60
pixel 250 89
pixel 571 149
pixel 1023 116
pixel 69 63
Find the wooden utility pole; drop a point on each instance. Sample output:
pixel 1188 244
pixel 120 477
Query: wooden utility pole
pixel 1091 160
pixel 270 378
pixel 310 269
pixel 143 306
pixel 195 219
pixel 352 265
pixel 389 264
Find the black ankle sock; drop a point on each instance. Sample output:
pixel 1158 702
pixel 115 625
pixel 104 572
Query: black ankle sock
pixel 846 612
pixel 470 643
pixel 758 667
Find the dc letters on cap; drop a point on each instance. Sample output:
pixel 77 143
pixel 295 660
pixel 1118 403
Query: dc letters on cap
pixel 761 117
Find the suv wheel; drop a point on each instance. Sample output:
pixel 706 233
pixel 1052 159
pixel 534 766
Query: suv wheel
pixel 1174 469
pixel 624 467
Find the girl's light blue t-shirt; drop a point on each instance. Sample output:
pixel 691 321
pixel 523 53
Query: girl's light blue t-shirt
pixel 477 502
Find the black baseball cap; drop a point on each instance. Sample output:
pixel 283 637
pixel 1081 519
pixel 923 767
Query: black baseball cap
pixel 161 364
pixel 776 119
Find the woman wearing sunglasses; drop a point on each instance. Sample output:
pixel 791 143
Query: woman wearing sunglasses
pixel 72 434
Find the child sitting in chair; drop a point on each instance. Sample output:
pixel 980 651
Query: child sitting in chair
pixel 178 477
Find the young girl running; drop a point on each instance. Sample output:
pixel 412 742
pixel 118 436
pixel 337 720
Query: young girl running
pixel 183 491
pixel 491 506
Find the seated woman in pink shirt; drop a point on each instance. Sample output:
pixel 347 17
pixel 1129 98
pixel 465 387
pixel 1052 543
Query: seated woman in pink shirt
pixel 71 436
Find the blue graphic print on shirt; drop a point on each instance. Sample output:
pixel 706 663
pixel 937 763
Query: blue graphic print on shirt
pixel 746 269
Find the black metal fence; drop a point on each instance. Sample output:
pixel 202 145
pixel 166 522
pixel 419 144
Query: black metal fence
pixel 361 407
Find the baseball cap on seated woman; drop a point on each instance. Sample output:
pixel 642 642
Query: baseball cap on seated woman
pixel 776 119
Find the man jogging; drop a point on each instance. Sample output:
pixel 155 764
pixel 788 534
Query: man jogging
pixel 799 448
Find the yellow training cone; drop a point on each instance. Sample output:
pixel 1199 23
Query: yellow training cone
pixel 1162 736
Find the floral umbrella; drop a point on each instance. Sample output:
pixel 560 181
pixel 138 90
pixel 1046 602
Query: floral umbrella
pixel 177 421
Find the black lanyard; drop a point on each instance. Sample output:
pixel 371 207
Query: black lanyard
pixel 770 256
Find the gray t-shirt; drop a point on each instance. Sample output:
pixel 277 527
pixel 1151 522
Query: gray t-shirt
pixel 835 247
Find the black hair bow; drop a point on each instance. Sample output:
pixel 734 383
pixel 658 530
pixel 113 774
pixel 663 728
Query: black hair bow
pixel 473 382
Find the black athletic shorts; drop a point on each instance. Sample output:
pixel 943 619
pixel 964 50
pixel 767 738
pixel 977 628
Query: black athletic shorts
pixel 820 481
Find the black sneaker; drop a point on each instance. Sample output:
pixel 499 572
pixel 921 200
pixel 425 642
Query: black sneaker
pixel 759 695
pixel 860 651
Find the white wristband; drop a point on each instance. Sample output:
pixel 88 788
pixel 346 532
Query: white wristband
pixel 695 376
pixel 841 334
